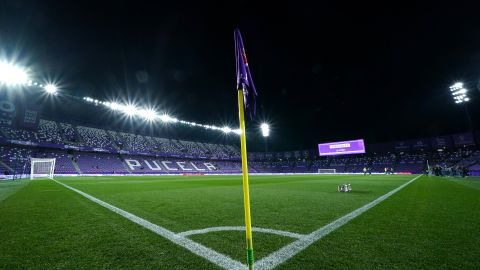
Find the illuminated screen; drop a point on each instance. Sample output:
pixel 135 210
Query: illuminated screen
pixel 342 148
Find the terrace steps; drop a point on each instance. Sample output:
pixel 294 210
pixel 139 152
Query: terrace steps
pixel 5 166
pixel 77 168
pixel 125 165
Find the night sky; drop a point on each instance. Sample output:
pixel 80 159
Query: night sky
pixel 323 71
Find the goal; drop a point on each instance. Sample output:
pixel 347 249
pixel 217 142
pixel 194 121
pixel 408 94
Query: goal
pixel 327 171
pixel 42 168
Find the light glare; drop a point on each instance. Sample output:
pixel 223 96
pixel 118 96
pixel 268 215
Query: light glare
pixel 50 88
pixel 12 75
pixel 129 110
pixel 459 93
pixel 148 114
pixel 151 115
pixel 226 130
pixel 165 118
pixel 265 129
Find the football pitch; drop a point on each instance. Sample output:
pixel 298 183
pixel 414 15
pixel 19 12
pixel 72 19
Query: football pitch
pixel 196 222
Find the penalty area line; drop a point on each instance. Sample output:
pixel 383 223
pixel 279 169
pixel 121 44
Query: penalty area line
pixel 211 255
pixel 290 250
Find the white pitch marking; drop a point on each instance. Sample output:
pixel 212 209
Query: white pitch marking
pixel 196 248
pixel 241 228
pixel 290 250
pixel 267 263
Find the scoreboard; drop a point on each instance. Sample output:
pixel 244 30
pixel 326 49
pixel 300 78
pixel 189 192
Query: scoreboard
pixel 342 148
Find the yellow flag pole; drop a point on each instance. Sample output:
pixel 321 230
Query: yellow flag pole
pixel 246 193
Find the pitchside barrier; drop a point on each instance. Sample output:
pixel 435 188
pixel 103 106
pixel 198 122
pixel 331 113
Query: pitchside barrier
pixel 10 177
pixel 182 174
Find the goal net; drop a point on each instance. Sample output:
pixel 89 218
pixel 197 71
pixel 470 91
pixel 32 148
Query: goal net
pixel 327 171
pixel 42 168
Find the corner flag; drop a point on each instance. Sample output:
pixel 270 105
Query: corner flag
pixel 246 100
pixel 244 78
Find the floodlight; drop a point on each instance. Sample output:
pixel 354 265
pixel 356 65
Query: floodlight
pixel 148 114
pixel 151 115
pixel 459 93
pixel 50 88
pixel 165 118
pixel 114 106
pixel 12 75
pixel 457 85
pixel 265 129
pixel 129 110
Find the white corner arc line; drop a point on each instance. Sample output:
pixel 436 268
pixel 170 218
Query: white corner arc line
pixel 241 228
pixel 290 250
pixel 200 250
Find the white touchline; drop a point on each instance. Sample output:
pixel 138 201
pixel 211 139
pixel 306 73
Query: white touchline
pixel 241 228
pixel 266 263
pixel 196 248
pixel 290 250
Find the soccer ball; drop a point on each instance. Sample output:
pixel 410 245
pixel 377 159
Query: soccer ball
pixel 344 188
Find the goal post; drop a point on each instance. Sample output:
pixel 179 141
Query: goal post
pixel 42 168
pixel 327 171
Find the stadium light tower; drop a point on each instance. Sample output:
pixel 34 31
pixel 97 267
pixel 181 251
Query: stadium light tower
pixel 460 96
pixel 265 128
pixel 459 93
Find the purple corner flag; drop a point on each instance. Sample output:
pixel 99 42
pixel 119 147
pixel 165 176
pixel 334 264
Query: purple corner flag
pixel 244 78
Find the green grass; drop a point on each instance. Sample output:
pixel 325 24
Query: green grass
pixel 9 187
pixel 473 182
pixel 432 223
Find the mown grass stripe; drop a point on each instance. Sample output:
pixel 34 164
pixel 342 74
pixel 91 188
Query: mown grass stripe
pixel 196 248
pixel 290 250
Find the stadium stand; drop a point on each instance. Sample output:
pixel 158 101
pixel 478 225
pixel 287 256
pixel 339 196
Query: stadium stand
pixel 472 162
pixel 63 161
pixel 68 132
pixel 192 148
pixel 15 160
pixel 380 162
pixel 88 150
pixel 18 135
pixel 48 131
pixel 132 142
pixel 99 163
pixel 95 137
pixel 320 163
pixel 165 146
pixel 410 162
